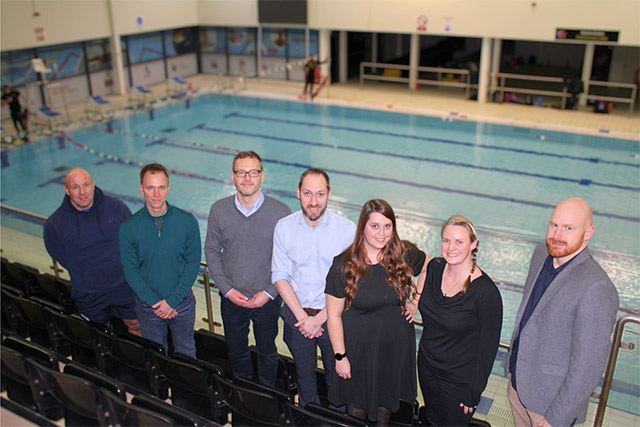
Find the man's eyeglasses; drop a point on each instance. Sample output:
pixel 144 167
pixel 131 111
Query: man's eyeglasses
pixel 253 173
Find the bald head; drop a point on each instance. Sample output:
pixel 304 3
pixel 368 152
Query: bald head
pixel 80 187
pixel 76 171
pixel 577 208
pixel 570 228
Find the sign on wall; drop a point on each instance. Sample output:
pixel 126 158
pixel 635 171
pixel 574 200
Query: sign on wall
pixel 587 35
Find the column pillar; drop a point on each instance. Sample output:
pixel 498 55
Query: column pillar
pixel 495 63
pixel 324 50
pixel 117 72
pixel 343 65
pixel 587 66
pixel 414 60
pixel 484 70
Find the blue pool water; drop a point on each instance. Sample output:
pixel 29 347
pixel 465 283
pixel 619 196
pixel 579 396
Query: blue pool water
pixel 506 179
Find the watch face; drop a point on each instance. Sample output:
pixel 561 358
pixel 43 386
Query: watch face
pixel 340 356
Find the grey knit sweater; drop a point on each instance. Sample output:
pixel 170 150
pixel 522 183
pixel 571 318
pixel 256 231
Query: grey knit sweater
pixel 238 248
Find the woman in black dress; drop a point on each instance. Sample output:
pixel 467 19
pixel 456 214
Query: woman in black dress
pixel 461 309
pixel 368 286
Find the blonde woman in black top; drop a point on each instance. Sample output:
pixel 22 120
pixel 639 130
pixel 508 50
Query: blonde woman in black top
pixel 461 309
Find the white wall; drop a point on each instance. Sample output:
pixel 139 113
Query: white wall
pixel 506 19
pixel 64 21
pixel 61 21
pixel 155 15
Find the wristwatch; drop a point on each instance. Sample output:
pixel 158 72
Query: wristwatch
pixel 340 356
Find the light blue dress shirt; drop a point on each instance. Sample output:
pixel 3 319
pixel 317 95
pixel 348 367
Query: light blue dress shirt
pixel 253 208
pixel 302 255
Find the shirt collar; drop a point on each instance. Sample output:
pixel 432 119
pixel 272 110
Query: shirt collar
pixel 548 264
pixel 253 208
pixel 325 221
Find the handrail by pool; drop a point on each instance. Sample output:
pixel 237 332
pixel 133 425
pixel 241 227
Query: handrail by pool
pixel 466 85
pixel 616 343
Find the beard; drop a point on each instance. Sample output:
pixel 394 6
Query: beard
pixel 316 216
pixel 564 250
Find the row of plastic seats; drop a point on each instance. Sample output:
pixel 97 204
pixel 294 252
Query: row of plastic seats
pixel 86 397
pixel 198 385
pixel 83 396
pixel 31 283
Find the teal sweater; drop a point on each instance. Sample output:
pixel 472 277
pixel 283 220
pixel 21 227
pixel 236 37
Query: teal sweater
pixel 160 265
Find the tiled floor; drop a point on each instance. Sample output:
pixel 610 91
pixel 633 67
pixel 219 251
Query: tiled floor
pixel 17 246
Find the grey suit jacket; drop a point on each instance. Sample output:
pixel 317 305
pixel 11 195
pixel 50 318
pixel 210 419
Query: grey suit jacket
pixel 564 346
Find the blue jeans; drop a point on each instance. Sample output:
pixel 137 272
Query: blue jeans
pixel 182 326
pixel 265 329
pixel 304 355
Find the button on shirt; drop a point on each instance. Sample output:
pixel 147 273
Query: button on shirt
pixel 302 255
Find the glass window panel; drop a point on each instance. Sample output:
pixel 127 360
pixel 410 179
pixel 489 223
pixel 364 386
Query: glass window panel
pixel 98 55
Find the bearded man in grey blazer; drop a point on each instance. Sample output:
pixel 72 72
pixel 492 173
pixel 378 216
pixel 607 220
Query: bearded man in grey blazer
pixel 563 327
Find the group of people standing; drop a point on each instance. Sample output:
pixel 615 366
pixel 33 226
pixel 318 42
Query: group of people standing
pixel 349 290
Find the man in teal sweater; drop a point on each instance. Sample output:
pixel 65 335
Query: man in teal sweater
pixel 160 255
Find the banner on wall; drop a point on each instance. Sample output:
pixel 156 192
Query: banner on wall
pixel 297 41
pixel 145 49
pixel 17 70
pixel 587 35
pixel 213 40
pixel 66 61
pixel 241 41
pixel 274 42
pixel 180 42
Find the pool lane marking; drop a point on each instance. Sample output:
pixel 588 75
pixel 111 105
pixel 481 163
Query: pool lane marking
pixel 585 182
pixel 438 140
pixel 231 152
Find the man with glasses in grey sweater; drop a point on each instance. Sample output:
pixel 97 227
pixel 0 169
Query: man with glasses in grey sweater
pixel 238 250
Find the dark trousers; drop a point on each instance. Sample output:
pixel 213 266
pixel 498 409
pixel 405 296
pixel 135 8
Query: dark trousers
pixel 17 119
pixel 441 399
pixel 265 329
pixel 304 355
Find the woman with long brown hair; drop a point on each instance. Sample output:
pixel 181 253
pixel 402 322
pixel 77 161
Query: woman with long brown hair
pixel 368 288
pixel 461 309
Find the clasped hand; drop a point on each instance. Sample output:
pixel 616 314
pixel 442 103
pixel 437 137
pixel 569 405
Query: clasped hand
pixel 164 310
pixel 310 327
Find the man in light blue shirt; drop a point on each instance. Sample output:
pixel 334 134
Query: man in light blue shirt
pixel 304 245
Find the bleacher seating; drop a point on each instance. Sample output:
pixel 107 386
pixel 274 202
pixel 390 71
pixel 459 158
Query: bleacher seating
pixel 104 365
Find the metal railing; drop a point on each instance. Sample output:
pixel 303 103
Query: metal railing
pixel 502 86
pixel 602 397
pixel 632 97
pixel 439 71
pixel 616 344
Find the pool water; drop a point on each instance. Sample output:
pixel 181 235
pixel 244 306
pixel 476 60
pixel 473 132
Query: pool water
pixel 505 179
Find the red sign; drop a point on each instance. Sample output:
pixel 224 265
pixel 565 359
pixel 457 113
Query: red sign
pixel 422 23
pixel 39 34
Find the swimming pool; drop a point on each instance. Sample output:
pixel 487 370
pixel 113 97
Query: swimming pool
pixel 506 179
